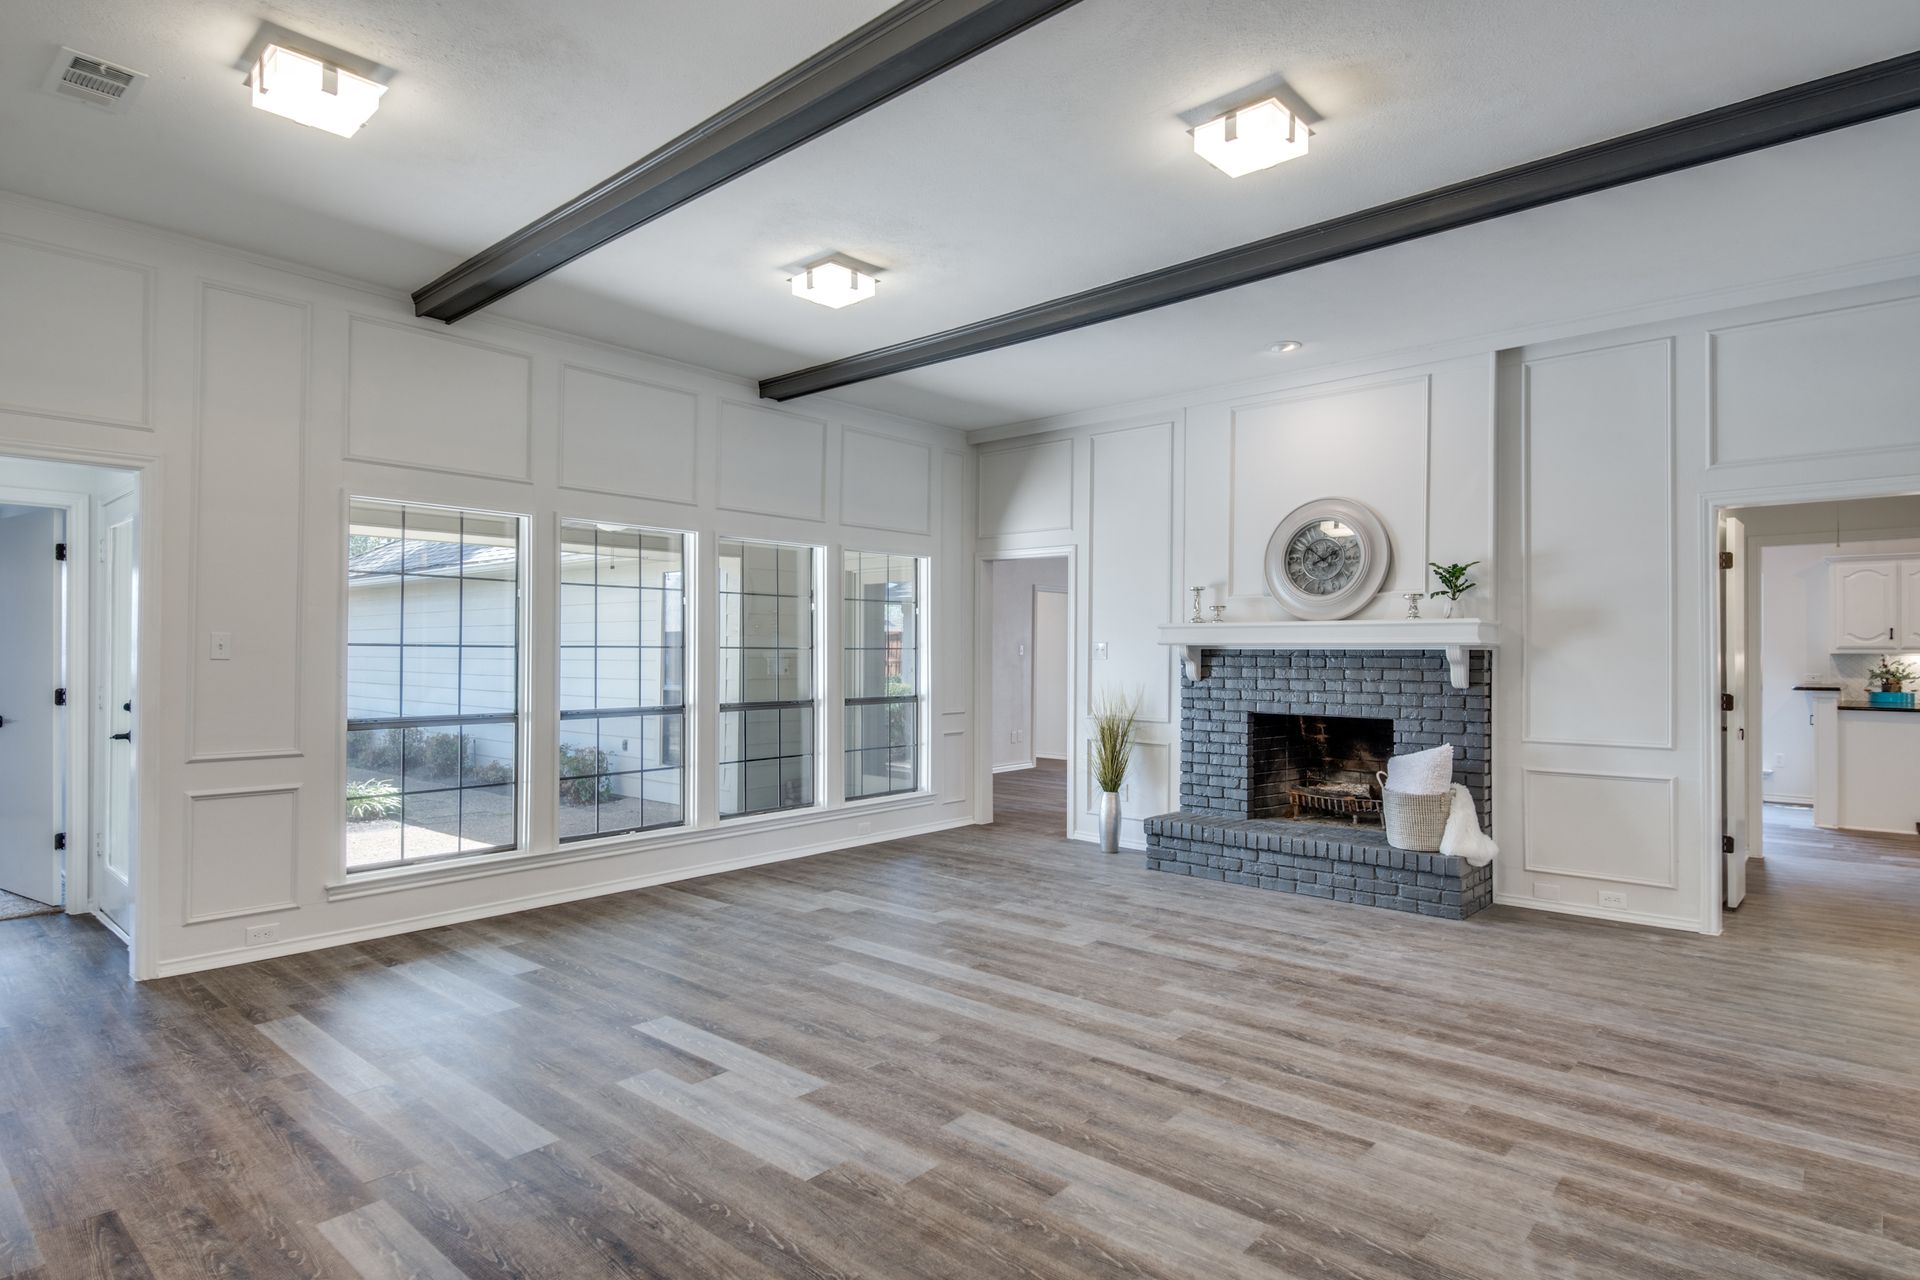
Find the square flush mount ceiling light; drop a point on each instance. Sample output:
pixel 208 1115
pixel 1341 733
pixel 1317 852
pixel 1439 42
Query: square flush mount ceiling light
pixel 313 84
pixel 834 282
pixel 1250 139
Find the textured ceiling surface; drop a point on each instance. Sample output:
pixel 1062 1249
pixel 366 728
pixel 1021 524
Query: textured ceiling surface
pixel 1053 162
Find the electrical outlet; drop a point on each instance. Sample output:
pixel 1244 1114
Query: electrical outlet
pixel 863 829
pixel 258 935
pixel 1546 892
pixel 1617 901
pixel 1100 650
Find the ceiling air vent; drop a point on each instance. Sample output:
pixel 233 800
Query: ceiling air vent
pixel 94 80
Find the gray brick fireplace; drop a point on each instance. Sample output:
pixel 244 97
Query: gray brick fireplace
pixel 1261 721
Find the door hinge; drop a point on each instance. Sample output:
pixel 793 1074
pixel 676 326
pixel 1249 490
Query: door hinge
pixel 1726 844
pixel 59 840
pixel 1726 559
pixel 1726 702
pixel 59 551
pixel 59 697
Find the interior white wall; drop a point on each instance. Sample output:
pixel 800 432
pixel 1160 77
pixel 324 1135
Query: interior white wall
pixel 1583 473
pixel 1051 627
pixel 258 396
pixel 1014 582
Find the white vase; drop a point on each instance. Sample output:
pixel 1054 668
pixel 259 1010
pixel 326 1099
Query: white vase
pixel 1449 607
pixel 1109 822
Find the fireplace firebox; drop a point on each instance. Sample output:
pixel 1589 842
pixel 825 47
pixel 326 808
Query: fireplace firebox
pixel 1315 767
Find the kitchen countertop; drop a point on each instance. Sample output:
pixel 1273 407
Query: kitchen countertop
pixel 1850 705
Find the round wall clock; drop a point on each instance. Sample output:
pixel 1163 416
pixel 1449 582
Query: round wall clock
pixel 1327 559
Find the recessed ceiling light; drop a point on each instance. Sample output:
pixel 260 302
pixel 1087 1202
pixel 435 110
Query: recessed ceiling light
pixel 312 83
pixel 1284 347
pixel 1252 138
pixel 834 282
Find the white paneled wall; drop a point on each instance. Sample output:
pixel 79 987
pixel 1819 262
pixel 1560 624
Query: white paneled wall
pixel 256 399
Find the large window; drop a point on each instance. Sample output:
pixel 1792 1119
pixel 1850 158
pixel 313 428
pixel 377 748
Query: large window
pixel 881 604
pixel 433 683
pixel 623 722
pixel 767 731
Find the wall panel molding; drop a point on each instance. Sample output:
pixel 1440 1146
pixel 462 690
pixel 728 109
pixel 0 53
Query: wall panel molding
pixel 1143 531
pixel 419 376
pixel 773 462
pixel 1025 489
pixel 1782 375
pixel 647 454
pixel 64 333
pixel 1634 828
pixel 253 875
pixel 250 447
pixel 874 489
pixel 1608 567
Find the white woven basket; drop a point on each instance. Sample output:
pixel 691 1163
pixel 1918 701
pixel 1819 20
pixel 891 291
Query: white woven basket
pixel 1415 823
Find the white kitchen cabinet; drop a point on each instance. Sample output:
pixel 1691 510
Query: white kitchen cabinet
pixel 1865 596
pixel 1910 604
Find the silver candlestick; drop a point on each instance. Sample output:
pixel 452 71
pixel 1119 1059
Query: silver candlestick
pixel 1218 609
pixel 1413 603
pixel 1196 603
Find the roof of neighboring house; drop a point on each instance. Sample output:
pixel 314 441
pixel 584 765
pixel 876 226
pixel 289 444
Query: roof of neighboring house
pixel 446 559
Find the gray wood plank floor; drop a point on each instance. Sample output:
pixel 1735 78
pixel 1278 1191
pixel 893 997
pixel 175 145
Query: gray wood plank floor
pixel 989 1053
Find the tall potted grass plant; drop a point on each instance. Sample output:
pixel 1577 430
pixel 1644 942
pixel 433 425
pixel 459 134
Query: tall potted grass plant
pixel 1115 724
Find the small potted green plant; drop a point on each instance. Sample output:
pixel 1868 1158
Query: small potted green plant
pixel 1454 583
pixel 1115 725
pixel 1892 673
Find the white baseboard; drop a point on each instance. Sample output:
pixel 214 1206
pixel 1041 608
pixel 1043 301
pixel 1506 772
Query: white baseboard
pixel 1041 755
pixel 1800 802
pixel 434 920
pixel 1015 767
pixel 1599 913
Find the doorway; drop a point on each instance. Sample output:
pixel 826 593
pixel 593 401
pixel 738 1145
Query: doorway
pixel 1029 689
pixel 1821 602
pixel 69 576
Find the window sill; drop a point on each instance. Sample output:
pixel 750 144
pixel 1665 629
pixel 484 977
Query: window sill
pixel 395 880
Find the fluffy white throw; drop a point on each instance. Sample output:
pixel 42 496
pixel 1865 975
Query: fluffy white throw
pixel 1463 837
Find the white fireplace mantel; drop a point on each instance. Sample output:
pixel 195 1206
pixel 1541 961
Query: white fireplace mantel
pixel 1454 636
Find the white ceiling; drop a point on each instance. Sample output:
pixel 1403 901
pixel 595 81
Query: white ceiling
pixel 1052 163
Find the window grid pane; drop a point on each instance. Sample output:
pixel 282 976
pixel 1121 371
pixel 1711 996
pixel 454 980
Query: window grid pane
pixel 880 608
pixel 622 681
pixel 767 708
pixel 433 685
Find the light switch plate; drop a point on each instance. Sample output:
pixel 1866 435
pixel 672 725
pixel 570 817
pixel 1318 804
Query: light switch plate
pixel 220 646
pixel 1100 649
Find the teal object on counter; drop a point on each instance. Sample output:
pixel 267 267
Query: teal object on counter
pixel 1881 699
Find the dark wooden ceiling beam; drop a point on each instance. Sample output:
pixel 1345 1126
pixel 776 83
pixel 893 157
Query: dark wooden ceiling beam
pixel 905 46
pixel 1818 106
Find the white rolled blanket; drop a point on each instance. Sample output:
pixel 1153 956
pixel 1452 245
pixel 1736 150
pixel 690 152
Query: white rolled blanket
pixel 1463 837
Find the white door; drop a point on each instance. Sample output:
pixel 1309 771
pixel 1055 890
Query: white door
pixel 31 748
pixel 118 632
pixel 1049 701
pixel 1864 610
pixel 1733 703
